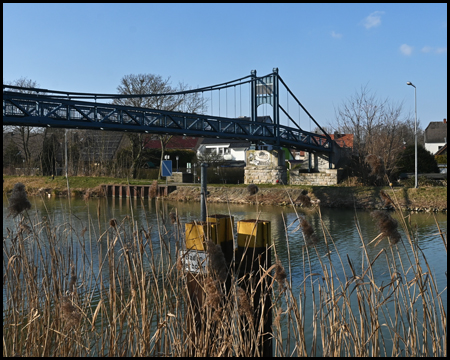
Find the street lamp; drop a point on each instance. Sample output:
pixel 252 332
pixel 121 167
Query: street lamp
pixel 415 135
pixel 177 157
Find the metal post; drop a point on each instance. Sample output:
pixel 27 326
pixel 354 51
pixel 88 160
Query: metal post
pixel 330 158
pixel 254 107
pixel 254 258
pixel 276 110
pixel 203 192
pixel 65 153
pixel 416 184
pixel 309 161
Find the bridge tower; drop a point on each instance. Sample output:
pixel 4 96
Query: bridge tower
pixel 265 163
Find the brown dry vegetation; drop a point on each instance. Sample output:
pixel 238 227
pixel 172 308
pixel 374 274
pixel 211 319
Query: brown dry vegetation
pixel 432 198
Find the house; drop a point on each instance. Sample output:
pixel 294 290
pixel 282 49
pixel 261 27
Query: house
pixel 441 164
pixel 231 151
pixel 442 151
pixel 435 136
pixel 344 141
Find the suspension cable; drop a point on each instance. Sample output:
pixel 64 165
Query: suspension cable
pixel 80 95
pixel 306 111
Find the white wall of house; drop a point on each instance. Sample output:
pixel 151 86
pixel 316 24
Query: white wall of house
pixel 237 154
pixel 234 154
pixel 434 147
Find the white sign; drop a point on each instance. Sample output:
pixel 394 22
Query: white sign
pixel 259 158
pixel 194 260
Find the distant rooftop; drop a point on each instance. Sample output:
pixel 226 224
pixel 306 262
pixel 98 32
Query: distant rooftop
pixel 436 132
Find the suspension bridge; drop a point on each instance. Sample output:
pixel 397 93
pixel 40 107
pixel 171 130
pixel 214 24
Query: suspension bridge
pixel 74 110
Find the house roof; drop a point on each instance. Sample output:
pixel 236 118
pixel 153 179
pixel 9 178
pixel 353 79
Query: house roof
pixel 442 150
pixel 436 132
pixel 343 140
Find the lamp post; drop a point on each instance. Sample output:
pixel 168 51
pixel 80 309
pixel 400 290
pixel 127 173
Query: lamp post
pixel 177 157
pixel 415 135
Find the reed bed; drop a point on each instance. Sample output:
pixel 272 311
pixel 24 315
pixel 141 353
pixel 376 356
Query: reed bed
pixel 137 299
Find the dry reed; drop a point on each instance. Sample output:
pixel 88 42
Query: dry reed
pixel 386 198
pixel 387 225
pixel 376 164
pixel 280 275
pixel 153 191
pixel 217 262
pixel 244 306
pixel 311 238
pixel 252 189
pixel 137 302
pixel 304 200
pixel 18 200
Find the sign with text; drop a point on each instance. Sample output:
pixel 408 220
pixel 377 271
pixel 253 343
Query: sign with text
pixel 166 168
pixel 193 261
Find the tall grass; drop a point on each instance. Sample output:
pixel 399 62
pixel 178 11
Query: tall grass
pixel 139 300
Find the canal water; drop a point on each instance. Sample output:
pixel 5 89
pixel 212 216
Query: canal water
pixel 348 229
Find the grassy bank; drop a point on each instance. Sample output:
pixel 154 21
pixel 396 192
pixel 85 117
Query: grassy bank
pixel 36 185
pixel 423 198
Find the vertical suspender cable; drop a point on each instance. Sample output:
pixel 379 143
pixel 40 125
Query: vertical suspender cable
pixel 287 99
pixel 240 99
pixel 234 101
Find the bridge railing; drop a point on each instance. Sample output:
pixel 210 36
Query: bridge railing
pixel 37 110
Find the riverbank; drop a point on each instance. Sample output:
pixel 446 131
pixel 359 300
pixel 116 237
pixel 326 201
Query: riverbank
pixel 421 199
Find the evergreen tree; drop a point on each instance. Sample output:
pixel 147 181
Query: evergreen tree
pixel 426 163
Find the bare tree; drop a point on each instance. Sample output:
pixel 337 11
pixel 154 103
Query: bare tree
pixel 378 126
pixel 25 134
pixel 154 84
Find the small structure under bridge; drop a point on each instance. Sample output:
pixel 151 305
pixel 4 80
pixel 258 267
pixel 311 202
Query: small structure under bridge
pixel 74 110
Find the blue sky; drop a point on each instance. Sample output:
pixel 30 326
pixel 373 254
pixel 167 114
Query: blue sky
pixel 324 52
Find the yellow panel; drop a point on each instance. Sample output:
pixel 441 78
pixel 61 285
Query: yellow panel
pixel 254 233
pixel 196 234
pixel 224 227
